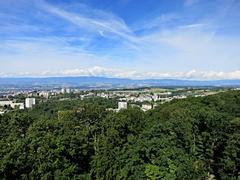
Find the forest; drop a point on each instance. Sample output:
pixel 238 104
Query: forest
pixel 193 138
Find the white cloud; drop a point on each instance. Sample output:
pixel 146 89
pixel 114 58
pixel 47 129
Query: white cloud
pixel 193 26
pixel 133 74
pixel 95 21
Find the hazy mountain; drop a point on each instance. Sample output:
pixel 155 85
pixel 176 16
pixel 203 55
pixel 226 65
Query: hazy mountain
pixel 110 82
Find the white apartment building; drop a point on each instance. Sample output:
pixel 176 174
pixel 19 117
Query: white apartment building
pixel 146 107
pixel 122 105
pixel 12 104
pixel 68 90
pixel 30 102
pixel 63 90
pixel 7 103
pixel 19 105
pixel 44 94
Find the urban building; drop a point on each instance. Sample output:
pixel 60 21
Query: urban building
pixel 18 105
pixel 29 102
pixel 146 107
pixel 6 103
pixel 122 105
pixel 68 90
pixel 63 90
pixel 12 104
pixel 44 94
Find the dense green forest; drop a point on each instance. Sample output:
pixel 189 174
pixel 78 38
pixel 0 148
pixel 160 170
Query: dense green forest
pixel 194 138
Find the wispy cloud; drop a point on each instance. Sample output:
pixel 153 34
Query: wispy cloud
pixel 99 21
pixel 162 21
pixel 193 26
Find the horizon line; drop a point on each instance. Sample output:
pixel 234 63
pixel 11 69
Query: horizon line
pixel 109 77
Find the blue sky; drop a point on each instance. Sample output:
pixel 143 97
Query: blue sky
pixel 187 39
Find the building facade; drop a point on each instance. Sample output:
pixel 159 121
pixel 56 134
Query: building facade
pixel 30 102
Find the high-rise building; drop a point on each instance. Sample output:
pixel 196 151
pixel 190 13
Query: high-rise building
pixel 68 90
pixel 63 90
pixel 122 105
pixel 29 102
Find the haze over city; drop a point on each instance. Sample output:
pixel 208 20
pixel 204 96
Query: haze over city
pixel 182 39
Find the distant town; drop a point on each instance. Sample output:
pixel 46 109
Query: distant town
pixel 144 98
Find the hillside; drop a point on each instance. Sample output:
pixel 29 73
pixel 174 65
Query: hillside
pixel 88 81
pixel 194 138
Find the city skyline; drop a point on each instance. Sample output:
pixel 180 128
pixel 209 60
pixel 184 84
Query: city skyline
pixel 183 39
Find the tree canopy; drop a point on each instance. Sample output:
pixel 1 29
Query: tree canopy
pixel 194 138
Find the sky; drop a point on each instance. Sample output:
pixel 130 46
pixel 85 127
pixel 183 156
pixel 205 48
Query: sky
pixel 138 39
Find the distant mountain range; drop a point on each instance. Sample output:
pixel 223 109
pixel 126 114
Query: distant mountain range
pixel 103 82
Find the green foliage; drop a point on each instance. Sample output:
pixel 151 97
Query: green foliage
pixel 194 138
pixel 153 172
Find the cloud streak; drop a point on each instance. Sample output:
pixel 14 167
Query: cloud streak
pixel 103 22
pixel 132 74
